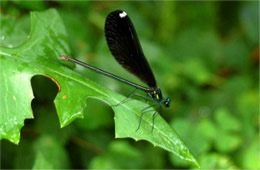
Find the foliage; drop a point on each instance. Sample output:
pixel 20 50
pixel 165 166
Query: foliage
pixel 205 56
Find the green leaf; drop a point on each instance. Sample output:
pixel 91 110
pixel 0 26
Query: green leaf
pixel 118 156
pixel 36 56
pixel 22 160
pixel 50 154
pixel 226 120
pixel 40 55
pixel 250 155
pixel 216 161
pixel 13 31
pixel 194 134
pixel 227 142
pixel 196 71
pixel 249 18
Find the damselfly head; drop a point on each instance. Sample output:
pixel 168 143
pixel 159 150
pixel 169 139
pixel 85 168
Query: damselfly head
pixel 167 102
pixel 156 94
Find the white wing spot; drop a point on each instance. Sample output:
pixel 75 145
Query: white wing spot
pixel 122 14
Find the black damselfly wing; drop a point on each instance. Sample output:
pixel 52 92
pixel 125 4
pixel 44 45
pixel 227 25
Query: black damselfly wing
pixel 123 43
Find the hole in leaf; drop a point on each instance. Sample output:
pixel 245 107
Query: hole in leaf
pixel 44 90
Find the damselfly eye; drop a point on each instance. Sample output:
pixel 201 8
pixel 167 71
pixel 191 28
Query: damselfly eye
pixel 167 102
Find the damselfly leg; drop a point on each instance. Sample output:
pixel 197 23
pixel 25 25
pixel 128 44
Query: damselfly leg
pixel 130 96
pixel 145 110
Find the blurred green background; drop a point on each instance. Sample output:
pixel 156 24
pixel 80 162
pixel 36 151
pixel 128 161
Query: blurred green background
pixel 205 56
